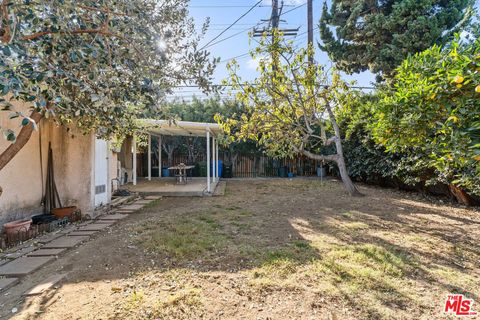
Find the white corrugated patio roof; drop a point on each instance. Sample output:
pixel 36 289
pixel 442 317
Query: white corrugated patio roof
pixel 181 128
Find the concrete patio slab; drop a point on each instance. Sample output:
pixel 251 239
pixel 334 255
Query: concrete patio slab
pixel 220 189
pixel 7 283
pixel 114 217
pixel 168 187
pixel 23 266
pixel 77 233
pixel 45 285
pixel 65 242
pixel 46 252
pixel 96 226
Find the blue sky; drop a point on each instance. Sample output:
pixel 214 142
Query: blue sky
pixel 223 13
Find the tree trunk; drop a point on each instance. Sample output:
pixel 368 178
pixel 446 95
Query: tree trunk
pixel 338 158
pixel 347 182
pixel 22 139
pixel 461 196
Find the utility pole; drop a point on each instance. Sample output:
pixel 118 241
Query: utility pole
pixel 310 29
pixel 275 16
pixel 274 23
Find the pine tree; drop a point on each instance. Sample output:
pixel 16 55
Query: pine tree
pixel 377 35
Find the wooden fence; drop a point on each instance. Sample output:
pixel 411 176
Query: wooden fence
pixel 245 166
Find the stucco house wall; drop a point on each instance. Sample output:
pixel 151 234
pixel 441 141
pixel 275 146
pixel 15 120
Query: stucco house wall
pixel 22 181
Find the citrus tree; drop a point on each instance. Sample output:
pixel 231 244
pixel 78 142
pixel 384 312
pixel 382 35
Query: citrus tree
pixel 97 64
pixel 288 107
pixel 434 107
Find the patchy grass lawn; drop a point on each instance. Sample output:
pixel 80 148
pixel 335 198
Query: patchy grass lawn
pixel 278 249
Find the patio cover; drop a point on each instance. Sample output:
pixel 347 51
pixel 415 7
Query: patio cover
pixel 211 131
pixel 181 128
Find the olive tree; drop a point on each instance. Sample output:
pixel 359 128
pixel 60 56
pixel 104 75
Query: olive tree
pixel 96 63
pixel 290 109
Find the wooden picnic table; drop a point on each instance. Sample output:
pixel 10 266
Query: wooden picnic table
pixel 181 172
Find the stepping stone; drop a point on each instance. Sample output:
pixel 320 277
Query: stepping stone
pixel 116 216
pixel 96 226
pixel 23 266
pixel 84 223
pixel 124 211
pixel 65 242
pixel 81 233
pixel 46 252
pixel 7 283
pixel 153 197
pixel 68 229
pixel 48 237
pixel 45 285
pixel 20 253
pixel 144 202
pixel 133 207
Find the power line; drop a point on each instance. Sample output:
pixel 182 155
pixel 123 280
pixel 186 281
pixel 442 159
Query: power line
pixel 233 35
pixel 230 85
pixel 226 6
pixel 226 29
pixel 243 30
pixel 297 38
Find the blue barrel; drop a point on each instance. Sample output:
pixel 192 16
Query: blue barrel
pixel 165 172
pixel 220 168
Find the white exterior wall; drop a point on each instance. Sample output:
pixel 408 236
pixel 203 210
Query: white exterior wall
pixel 73 159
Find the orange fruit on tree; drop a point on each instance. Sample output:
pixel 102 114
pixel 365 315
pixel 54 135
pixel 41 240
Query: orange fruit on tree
pixel 458 79
pixel 477 158
pixel 477 89
pixel 459 85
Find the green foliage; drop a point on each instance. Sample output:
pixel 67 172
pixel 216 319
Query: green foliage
pixel 434 107
pixel 98 64
pixel 423 129
pixel 286 106
pixel 369 161
pixel 205 111
pixel 379 35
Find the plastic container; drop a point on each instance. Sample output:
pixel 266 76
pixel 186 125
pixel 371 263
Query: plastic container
pixel 227 171
pixel 202 169
pixel 17 226
pixel 321 172
pixel 61 213
pixel 165 172
pixel 282 172
pixel 220 170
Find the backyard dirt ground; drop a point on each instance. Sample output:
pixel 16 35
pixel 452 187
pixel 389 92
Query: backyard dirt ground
pixel 269 249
